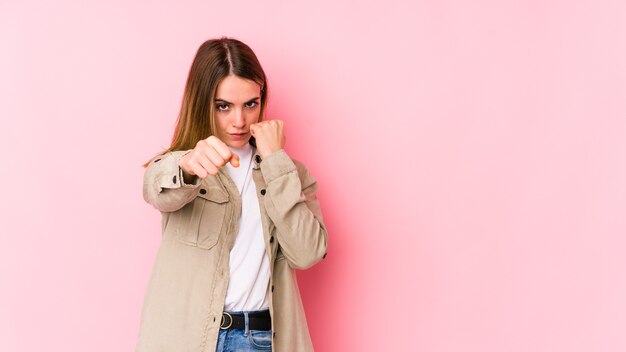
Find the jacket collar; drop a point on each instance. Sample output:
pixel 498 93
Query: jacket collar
pixel 256 158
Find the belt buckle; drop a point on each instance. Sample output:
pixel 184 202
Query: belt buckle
pixel 229 324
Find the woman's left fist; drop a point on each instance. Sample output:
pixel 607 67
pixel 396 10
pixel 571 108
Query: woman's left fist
pixel 269 136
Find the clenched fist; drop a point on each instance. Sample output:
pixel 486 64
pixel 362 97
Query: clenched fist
pixel 269 136
pixel 206 158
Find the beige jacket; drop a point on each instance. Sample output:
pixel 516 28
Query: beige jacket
pixel 185 295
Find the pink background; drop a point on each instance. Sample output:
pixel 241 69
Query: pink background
pixel 471 160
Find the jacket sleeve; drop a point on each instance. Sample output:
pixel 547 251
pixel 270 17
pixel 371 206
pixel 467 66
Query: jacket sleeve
pixel 291 203
pixel 163 184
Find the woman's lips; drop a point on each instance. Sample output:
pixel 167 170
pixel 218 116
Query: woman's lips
pixel 238 135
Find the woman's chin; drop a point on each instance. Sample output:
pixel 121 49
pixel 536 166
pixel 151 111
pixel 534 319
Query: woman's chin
pixel 238 143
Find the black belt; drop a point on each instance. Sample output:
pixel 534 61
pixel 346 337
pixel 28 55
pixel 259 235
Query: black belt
pixel 256 321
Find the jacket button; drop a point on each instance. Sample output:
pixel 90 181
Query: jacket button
pixel 324 255
pixel 258 158
pixel 263 191
pixel 157 160
pixel 271 239
pixel 174 179
pixel 274 335
pixel 272 288
pixel 202 191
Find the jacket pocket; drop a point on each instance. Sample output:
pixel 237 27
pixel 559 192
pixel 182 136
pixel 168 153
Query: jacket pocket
pixel 201 221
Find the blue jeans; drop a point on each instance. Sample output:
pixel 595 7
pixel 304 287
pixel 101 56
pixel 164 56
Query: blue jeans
pixel 244 340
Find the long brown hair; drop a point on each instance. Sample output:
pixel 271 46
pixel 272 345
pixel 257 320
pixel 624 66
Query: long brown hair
pixel 215 59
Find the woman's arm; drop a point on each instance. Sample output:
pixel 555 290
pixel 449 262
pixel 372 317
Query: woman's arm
pixel 291 203
pixel 164 186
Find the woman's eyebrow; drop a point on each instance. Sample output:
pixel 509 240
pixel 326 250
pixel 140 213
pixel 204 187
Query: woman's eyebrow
pixel 227 102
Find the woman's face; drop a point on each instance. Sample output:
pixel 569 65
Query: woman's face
pixel 237 106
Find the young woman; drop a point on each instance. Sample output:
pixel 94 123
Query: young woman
pixel 239 215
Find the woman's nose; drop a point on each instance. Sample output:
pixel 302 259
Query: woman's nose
pixel 239 118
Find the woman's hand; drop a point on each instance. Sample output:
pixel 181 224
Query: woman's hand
pixel 206 158
pixel 269 136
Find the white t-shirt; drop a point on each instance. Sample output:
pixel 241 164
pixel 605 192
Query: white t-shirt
pixel 249 262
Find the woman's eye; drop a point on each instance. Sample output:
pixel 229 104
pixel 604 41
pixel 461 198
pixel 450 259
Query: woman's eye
pixel 251 104
pixel 221 107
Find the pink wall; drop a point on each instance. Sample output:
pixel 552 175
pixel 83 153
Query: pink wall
pixel 471 159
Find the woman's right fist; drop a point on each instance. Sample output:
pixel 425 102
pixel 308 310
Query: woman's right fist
pixel 207 157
